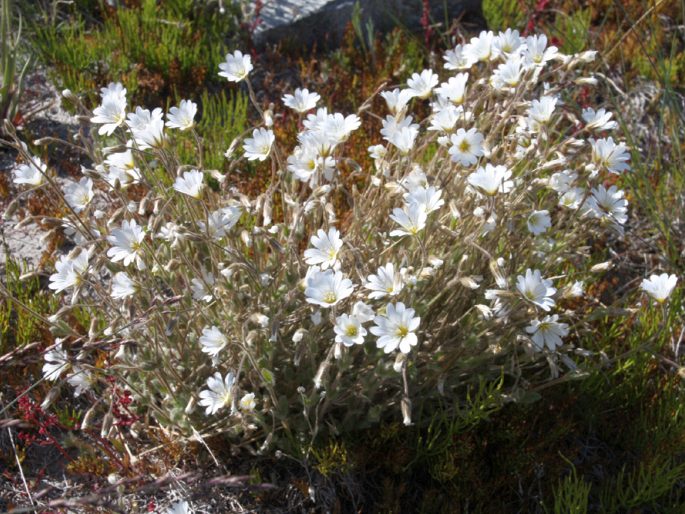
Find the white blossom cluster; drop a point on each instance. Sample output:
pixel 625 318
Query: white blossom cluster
pixel 464 240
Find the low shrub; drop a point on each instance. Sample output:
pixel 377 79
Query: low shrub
pixel 339 297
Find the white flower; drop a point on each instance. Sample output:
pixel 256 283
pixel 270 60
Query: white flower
pixel 111 113
pixel 236 67
pixel 610 156
pixel 491 180
pixel 128 244
pixel 212 341
pixel 386 281
pixel 377 152
pixel 659 287
pixel 141 118
pixel 363 312
pixel 80 379
pixel 31 174
pixel 78 194
pixel 151 135
pixel 480 48
pixel 182 117
pixel 562 180
pixel 349 330
pixel 536 51
pixel 538 222
pixel 547 332
pixel 598 120
pixel 575 290
pixel 403 139
pixel 199 287
pixel 55 362
pixel 191 183
pixel 396 328
pixel 219 394
pixel 392 125
pixel 247 403
pixel 608 204
pixel 508 74
pixel 540 112
pixel 315 121
pixel 116 89
pixel 466 147
pixel 536 289
pixel 414 180
pixel 422 84
pixel 172 233
pixel 326 248
pixel 221 221
pixel 122 167
pixel 122 286
pixel 454 89
pixel 180 507
pixel 71 272
pixel 338 127
pixel 458 59
pixel 412 219
pixel 446 118
pixel 258 146
pixel 508 43
pixel 327 288
pixel 302 101
pixel 427 198
pixel 397 100
pixel 572 198
pixel 318 142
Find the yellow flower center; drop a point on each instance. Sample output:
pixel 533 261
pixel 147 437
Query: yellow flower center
pixel 402 331
pixel 329 297
pixel 464 146
pixel 351 331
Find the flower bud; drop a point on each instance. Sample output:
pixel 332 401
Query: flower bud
pixel 190 407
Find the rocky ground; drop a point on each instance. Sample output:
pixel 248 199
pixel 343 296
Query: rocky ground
pixel 43 116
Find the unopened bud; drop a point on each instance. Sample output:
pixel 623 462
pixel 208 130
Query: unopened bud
pixel 602 266
pixel 49 398
pixel 586 81
pixel 106 425
pixel 190 407
pixel 468 282
pixel 399 362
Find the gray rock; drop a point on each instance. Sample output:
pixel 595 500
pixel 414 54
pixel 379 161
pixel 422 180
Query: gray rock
pixel 23 244
pixel 323 22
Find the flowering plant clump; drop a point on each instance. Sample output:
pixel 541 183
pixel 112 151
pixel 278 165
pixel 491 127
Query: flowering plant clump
pixel 282 314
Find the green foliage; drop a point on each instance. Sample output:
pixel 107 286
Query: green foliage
pixel 156 51
pixel 571 494
pixel 18 326
pixel 222 118
pixel 503 14
pixel 11 76
pixel 573 30
pixel 650 485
